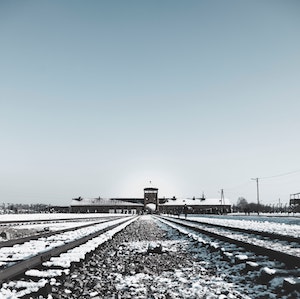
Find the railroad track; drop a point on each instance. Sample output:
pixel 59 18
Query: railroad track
pixel 47 221
pixel 36 236
pixel 282 248
pixel 16 259
pixel 76 266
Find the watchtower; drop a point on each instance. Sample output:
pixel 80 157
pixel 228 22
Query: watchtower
pixel 151 197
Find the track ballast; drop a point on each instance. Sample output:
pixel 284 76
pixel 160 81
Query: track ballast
pixel 152 257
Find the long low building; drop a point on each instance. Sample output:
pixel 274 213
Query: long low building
pixel 139 205
pixel 196 206
pixel 105 205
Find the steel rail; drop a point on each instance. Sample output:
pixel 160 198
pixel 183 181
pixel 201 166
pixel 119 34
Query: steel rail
pixel 20 267
pixel 48 234
pixel 289 260
pixel 249 231
pixel 39 221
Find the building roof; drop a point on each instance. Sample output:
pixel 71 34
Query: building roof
pixel 150 189
pixel 102 202
pixel 171 202
pixel 197 202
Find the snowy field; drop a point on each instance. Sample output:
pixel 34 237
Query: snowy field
pixel 284 224
pixel 52 216
pixel 36 225
pixel 289 226
pixel 274 217
pixel 279 217
pixel 186 269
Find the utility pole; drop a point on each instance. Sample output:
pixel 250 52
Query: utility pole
pixel 257 194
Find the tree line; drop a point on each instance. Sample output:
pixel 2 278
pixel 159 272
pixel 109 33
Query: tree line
pixel 243 206
pixel 8 208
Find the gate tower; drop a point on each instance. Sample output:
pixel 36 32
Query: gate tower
pixel 151 196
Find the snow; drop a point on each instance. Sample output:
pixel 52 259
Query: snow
pixel 203 286
pixel 265 226
pixel 78 253
pixel 263 290
pixel 103 202
pixel 269 271
pixel 55 226
pixel 19 289
pixel 182 282
pixel 292 248
pixel 48 273
pixel 10 290
pixel 53 216
pixel 241 257
pixel 30 248
pixel 197 202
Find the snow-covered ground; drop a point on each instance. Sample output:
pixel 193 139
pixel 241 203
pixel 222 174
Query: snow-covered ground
pixel 25 250
pixel 272 217
pixel 282 246
pixel 54 226
pixel 192 273
pixel 237 274
pixel 53 216
pixel 274 225
pixel 275 214
pixel 18 289
pixel 34 223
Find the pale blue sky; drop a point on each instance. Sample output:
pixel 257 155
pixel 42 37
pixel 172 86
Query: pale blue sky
pixel 99 97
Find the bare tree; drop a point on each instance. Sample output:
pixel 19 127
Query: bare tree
pixel 242 204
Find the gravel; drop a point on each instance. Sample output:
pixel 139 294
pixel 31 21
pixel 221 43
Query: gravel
pixel 147 260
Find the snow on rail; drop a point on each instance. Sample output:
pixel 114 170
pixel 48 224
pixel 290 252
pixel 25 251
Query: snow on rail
pixel 18 289
pixel 276 245
pixel 78 253
pixel 266 226
pixel 28 249
pixel 54 216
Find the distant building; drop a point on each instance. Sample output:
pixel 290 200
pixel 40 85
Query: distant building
pixel 295 202
pixel 295 199
pixel 196 206
pixel 104 205
pixel 141 205
pixel 151 198
pixel 59 209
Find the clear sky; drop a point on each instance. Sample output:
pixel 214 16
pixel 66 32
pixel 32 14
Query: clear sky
pixel 100 97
